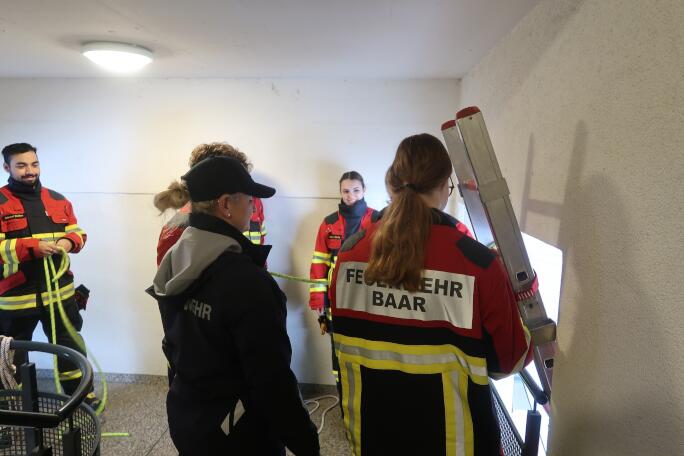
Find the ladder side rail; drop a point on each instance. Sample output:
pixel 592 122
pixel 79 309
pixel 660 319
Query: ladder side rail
pixel 464 173
pixel 494 195
pixel 485 192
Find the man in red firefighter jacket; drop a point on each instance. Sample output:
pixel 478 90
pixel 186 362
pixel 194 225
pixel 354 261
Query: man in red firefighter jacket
pixel 34 223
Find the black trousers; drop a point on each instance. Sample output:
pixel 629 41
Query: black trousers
pixel 195 430
pixel 21 328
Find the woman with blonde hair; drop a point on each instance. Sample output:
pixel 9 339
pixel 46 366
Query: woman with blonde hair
pixel 424 315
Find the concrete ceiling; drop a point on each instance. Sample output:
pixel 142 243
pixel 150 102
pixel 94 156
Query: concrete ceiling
pixel 258 38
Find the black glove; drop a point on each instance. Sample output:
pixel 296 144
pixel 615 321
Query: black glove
pixel 81 295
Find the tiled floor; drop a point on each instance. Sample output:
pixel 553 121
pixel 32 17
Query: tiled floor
pixel 139 409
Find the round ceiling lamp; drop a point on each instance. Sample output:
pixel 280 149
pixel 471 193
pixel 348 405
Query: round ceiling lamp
pixel 117 57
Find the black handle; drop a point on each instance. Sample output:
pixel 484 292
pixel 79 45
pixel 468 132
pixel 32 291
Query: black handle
pixel 41 419
pixel 540 396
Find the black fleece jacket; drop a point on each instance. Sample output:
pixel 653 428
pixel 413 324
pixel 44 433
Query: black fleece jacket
pixel 227 340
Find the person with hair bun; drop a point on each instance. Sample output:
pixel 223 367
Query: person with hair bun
pixel 424 316
pixel 352 215
pixel 172 198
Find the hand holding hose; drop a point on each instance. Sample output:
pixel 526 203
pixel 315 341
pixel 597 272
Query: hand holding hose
pixel 46 249
pixel 66 244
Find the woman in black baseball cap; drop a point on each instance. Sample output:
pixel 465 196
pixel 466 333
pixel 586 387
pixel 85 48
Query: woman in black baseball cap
pixel 224 323
pixel 223 185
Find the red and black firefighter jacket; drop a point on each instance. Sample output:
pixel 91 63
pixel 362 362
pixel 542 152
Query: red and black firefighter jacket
pixel 173 229
pixel 334 229
pixel 415 367
pixel 29 214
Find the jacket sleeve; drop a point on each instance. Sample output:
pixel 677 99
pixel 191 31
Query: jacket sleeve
pixel 261 218
pixel 264 352
pixel 507 336
pixel 15 251
pixel 320 265
pixel 168 236
pixel 73 232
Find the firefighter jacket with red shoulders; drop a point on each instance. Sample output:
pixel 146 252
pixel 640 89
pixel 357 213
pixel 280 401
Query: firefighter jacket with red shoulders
pixel 29 215
pixel 173 229
pixel 332 232
pixel 426 356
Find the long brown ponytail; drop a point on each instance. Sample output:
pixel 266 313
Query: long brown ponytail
pixel 397 255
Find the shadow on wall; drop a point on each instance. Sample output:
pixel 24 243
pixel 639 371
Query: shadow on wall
pixel 595 392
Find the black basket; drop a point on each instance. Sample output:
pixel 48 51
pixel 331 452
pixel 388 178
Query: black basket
pixel 13 439
pixel 33 422
pixel 511 442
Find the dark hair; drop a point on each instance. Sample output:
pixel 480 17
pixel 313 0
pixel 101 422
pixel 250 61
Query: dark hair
pixel 352 175
pixel 17 148
pixel 397 255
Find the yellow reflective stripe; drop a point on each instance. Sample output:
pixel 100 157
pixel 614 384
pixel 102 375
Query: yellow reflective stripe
pixel 70 375
pixel 75 229
pixel 315 260
pixel 263 229
pixel 467 417
pixel 449 415
pixel 66 292
pixel 13 251
pixel 345 403
pixel 351 403
pixel 419 359
pixel 253 236
pixel 322 255
pixel 317 288
pixel 357 406
pixel 458 423
pixel 29 301
pixel 332 269
pixel 2 236
pixel 8 252
pixel 49 236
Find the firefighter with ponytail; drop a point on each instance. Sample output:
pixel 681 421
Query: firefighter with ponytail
pixel 424 316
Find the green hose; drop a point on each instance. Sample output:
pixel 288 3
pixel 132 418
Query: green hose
pixel 49 266
pixel 297 279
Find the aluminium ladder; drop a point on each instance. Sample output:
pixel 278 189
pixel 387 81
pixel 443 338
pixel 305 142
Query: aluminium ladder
pixel 485 193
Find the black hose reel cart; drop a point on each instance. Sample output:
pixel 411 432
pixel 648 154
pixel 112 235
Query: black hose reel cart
pixel 39 423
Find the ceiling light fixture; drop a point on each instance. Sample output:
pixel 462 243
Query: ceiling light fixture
pixel 117 57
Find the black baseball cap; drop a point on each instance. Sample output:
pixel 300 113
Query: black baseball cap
pixel 216 176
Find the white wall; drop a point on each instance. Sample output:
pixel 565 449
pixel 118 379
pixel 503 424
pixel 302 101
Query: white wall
pixel 109 145
pixel 584 101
